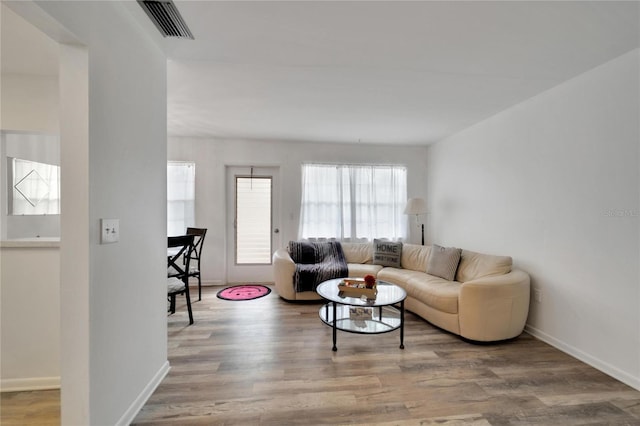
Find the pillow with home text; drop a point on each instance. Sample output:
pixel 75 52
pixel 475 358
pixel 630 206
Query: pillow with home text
pixel 387 253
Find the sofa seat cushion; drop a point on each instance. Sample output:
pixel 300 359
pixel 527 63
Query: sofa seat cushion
pixel 398 276
pixel 360 270
pixel 477 265
pixel 433 291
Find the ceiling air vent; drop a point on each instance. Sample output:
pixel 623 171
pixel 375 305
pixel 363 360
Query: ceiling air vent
pixel 168 20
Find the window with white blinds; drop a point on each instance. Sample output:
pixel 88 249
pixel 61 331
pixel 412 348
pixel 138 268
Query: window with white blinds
pixel 253 220
pixel 181 200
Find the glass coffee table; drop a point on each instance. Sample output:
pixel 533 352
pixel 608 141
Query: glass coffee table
pixel 383 314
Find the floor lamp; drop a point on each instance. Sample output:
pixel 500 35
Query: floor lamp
pixel 416 206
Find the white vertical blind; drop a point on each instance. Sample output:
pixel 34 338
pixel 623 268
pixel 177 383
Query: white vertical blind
pixel 253 220
pixel 353 201
pixel 181 202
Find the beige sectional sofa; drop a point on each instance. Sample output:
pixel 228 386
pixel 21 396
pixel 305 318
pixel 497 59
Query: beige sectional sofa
pixel 488 301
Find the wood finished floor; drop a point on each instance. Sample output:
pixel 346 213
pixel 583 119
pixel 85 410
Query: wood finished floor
pixel 269 362
pixel 41 408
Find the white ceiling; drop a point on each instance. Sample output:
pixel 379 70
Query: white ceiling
pixel 370 71
pixel 378 72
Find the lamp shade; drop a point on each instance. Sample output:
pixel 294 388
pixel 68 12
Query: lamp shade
pixel 415 206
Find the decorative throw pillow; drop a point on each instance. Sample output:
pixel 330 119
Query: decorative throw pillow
pixel 387 253
pixel 443 262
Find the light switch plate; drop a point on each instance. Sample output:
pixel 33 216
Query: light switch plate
pixel 110 231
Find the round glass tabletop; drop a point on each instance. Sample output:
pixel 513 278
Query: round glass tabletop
pixel 388 294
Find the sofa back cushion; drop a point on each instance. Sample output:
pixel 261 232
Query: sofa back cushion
pixel 358 252
pixel 477 265
pixel 415 257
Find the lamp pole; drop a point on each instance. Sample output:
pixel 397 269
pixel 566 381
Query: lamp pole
pixel 416 206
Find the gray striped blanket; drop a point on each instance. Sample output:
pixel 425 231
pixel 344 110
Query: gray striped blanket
pixel 316 262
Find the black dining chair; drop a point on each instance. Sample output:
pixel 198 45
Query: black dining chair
pixel 179 257
pixel 196 255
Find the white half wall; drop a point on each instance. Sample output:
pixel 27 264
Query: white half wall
pixel 30 316
pixel 211 157
pixel 555 183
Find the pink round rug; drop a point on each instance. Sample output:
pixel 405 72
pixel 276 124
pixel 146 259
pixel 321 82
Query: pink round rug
pixel 244 292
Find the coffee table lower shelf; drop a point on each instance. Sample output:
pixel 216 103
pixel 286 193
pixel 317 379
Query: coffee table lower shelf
pixel 384 319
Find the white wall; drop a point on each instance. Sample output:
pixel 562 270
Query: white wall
pixel 211 157
pixel 30 103
pixel 113 155
pixel 554 182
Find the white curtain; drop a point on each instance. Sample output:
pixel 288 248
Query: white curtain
pixel 181 205
pixel 353 202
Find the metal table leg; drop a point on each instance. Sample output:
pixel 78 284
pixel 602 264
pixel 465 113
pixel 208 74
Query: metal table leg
pixel 402 325
pixel 335 325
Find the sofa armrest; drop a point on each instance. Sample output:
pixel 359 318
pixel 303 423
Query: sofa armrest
pixel 283 270
pixel 494 308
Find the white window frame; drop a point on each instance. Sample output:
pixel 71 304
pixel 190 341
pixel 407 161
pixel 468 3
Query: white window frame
pixel 34 188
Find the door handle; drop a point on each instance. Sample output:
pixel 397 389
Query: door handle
pixel 276 231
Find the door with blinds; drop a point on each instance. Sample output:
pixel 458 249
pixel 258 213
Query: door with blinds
pixel 252 223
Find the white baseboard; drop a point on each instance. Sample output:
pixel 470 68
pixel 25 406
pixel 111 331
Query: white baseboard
pixel 148 390
pixel 29 384
pixel 211 283
pixel 603 366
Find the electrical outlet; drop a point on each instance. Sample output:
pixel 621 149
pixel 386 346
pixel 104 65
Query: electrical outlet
pixel 110 231
pixel 537 295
